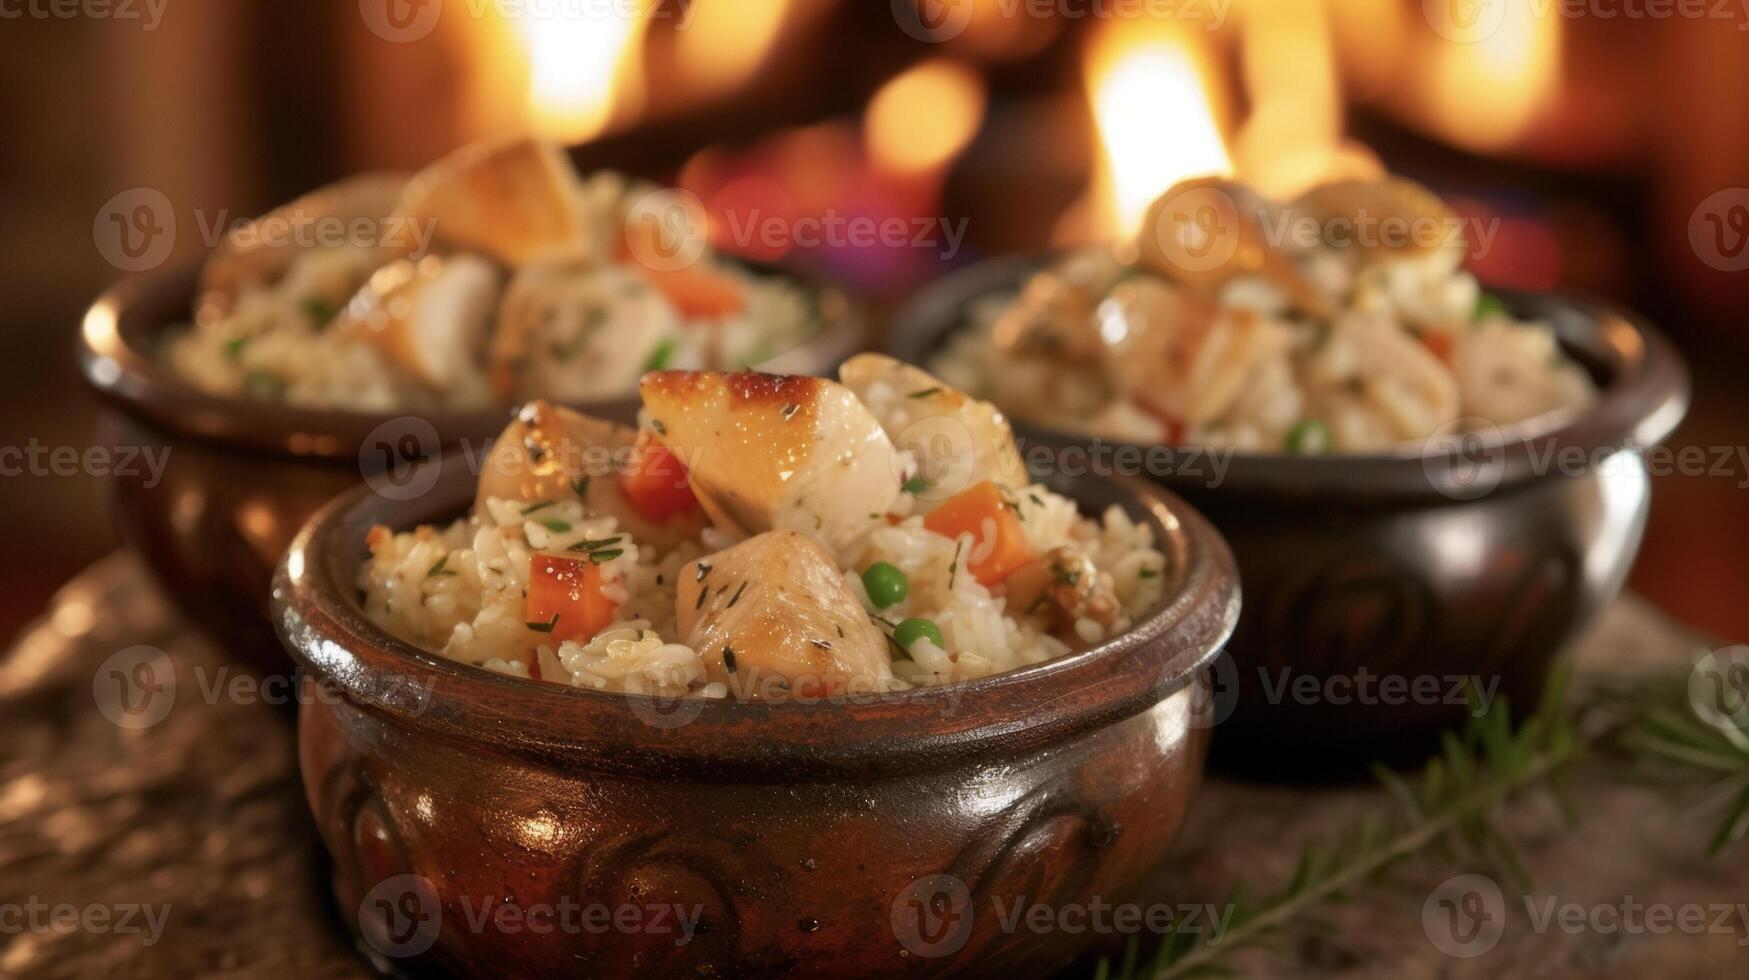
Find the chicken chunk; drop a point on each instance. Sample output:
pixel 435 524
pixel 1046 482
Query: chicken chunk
pixel 771 452
pixel 519 202
pixel 958 440
pixel 576 333
pixel 428 317
pixel 550 453
pixel 264 251
pixel 774 618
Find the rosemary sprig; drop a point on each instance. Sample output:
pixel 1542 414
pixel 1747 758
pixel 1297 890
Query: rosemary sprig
pixel 1453 799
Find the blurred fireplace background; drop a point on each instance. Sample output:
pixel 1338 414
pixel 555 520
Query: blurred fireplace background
pixel 1598 145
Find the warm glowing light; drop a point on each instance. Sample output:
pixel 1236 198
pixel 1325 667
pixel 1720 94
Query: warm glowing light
pixel 1290 140
pixel 1150 92
pixel 725 41
pixel 584 68
pixel 1484 91
pixel 919 121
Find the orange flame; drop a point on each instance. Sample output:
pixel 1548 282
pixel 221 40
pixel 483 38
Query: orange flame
pixel 922 119
pixel 1151 93
pixel 1488 76
pixel 583 71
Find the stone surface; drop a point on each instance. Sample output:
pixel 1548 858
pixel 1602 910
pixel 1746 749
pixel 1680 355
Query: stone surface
pixel 196 822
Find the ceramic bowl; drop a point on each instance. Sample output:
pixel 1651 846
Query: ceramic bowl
pixel 241 476
pixel 1376 585
pixel 875 836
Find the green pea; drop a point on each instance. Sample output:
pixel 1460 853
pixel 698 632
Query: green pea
pixel 1309 438
pixel 885 584
pixel 912 630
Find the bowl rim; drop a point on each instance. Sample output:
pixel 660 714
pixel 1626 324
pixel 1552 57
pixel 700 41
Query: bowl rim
pixel 1646 397
pixel 321 623
pixel 114 358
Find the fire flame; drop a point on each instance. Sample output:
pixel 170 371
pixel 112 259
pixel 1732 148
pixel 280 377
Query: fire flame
pixel 1484 92
pixel 920 121
pixel 727 40
pixel 1150 90
pixel 583 69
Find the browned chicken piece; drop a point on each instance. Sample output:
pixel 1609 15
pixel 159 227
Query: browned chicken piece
pixel 262 251
pixel 428 317
pixel 1052 317
pixel 773 618
pixel 551 453
pixel 1394 218
pixel 1062 586
pixel 774 451
pixel 519 202
pixel 966 441
pixel 1205 233
pixel 1178 353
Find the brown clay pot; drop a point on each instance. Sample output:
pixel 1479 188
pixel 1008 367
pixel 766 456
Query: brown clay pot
pixel 243 475
pixel 1481 561
pixel 862 837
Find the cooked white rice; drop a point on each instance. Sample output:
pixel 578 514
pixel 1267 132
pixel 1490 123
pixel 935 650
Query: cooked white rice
pixel 1366 381
pixel 460 592
pixel 600 327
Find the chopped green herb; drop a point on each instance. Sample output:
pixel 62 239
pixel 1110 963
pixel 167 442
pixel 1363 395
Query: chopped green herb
pixel 555 525
pixel 319 312
pixel 546 627
pixel 737 596
pixel 953 569
pixel 438 568
pixel 234 347
pixel 1035 500
pixel 1148 573
pixel 663 355
pixel 1488 305
pixel 1309 438
pixel 603 557
pixel 537 505
pixel 925 393
pixel 661 429
pixel 704 568
pixel 594 545
pixel 580 486
pixel 916 485
pixel 728 658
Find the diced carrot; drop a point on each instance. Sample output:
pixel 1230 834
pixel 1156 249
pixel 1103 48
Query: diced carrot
pixel 998 541
pixel 696 290
pixel 1439 344
pixel 656 484
pixel 566 599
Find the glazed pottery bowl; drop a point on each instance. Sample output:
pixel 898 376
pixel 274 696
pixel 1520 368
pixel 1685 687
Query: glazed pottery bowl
pixel 240 476
pixel 1376 586
pixel 869 836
